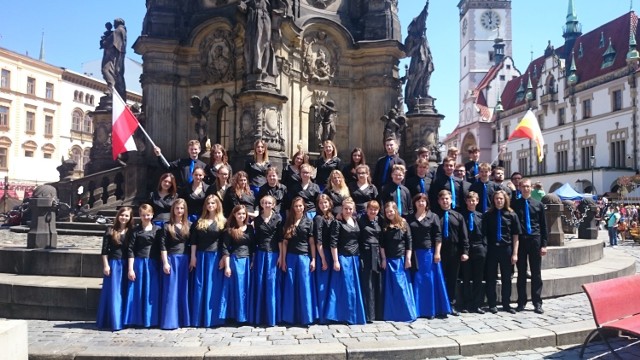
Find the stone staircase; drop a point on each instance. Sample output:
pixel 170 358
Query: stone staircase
pixel 81 228
pixel 64 284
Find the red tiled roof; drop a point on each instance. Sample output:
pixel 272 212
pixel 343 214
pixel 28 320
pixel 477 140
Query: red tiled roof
pixel 486 113
pixel 588 66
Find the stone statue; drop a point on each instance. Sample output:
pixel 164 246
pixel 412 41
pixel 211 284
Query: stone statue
pixel 259 55
pixel 200 110
pixel 114 43
pixel 394 125
pixel 421 65
pixel 66 168
pixel 325 117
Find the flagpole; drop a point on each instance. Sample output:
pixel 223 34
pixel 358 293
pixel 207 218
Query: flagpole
pixel 162 158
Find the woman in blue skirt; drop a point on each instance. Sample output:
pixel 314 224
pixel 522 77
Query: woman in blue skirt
pixel 143 295
pixel 345 303
pixel 174 252
pixel 429 289
pixel 110 308
pixel 399 304
pixel 321 233
pixel 265 278
pixel 237 248
pixel 298 254
pixel 205 238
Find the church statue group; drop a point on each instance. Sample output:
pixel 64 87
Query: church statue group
pixel 330 243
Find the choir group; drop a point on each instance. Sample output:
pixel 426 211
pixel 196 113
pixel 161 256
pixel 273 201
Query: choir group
pixel 319 244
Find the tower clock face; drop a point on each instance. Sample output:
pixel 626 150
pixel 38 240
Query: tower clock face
pixel 490 20
pixel 465 25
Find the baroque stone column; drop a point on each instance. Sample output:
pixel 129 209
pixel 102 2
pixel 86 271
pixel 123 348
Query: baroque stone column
pixel 422 128
pixel 261 118
pixel 101 155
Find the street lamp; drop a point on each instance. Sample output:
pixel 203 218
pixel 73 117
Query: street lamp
pixel 592 162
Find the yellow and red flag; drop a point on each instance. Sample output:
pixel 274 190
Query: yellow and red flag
pixel 528 128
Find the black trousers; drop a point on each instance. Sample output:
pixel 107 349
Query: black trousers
pixel 472 276
pixel 371 283
pixel 450 260
pixel 499 256
pixel 529 252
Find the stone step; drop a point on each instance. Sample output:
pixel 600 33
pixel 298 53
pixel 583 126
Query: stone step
pixel 91 230
pixel 76 298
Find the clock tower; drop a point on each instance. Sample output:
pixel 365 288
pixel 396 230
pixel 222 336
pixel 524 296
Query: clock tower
pixel 481 22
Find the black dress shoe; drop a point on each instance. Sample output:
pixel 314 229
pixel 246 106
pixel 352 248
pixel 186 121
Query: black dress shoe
pixel 454 312
pixel 509 309
pixel 493 310
pixel 464 311
pixel 520 308
pixel 479 311
pixel 538 309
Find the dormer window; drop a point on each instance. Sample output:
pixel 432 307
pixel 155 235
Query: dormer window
pixel 601 40
pixel 609 56
pixel 580 51
pixel 520 92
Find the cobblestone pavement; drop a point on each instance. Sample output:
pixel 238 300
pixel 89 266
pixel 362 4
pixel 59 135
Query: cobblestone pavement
pixel 564 310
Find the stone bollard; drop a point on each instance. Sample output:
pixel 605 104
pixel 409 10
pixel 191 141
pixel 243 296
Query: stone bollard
pixel 42 229
pixel 555 233
pixel 588 228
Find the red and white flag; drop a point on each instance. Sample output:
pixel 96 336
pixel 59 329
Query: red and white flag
pixel 123 125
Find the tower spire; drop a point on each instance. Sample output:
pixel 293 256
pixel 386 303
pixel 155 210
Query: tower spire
pixel 41 57
pixel 572 29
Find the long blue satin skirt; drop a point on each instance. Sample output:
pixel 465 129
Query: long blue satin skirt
pixel 206 290
pixel 110 307
pixel 429 289
pixel 175 312
pixel 143 294
pixel 266 289
pixel 299 298
pixel 344 302
pixel 399 304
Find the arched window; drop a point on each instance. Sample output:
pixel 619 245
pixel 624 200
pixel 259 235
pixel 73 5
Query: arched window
pixel 551 85
pixel 76 120
pixel 91 100
pixel 76 155
pixel 85 157
pixel 86 98
pixel 87 125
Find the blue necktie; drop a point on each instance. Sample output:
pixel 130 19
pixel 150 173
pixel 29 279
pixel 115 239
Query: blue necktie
pixel 452 184
pixel 485 198
pixel 445 227
pixel 386 170
pixel 399 200
pixel 191 167
pixel 527 218
pixel 499 227
pixel 475 170
pixel 470 221
pixel 518 194
pixel 422 186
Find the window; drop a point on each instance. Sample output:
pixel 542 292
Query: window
pixel 223 127
pixel 492 56
pixel 86 157
pixel 31 86
pixel 541 122
pixel 541 166
pixel 30 124
pixel 49 91
pixel 586 109
pixel 48 125
pixel 585 156
pixel 508 67
pixel 4 116
pixel 503 78
pixel 76 121
pixel 87 125
pixel 505 133
pixel 616 100
pixel 5 79
pixel 3 158
pixel 75 95
pixel 523 166
pixel 28 153
pixel 562 159
pixel 76 155
pixel 617 153
pixel 562 116
pixel 47 156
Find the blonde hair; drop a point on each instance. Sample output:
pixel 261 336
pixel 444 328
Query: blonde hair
pixel 265 156
pixel 397 222
pixel 218 217
pixel 343 190
pixel 184 221
pixel 334 153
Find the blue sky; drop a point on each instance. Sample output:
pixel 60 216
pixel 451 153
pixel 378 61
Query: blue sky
pixel 72 31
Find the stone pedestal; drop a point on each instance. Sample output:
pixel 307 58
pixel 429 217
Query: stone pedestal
pixel 261 118
pixel 101 154
pixel 422 128
pixel 42 229
pixel 555 233
pixel 588 228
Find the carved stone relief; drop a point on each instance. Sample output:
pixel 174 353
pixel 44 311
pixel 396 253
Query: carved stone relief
pixel 215 3
pixel 320 4
pixel 217 54
pixel 320 61
pixel 262 123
